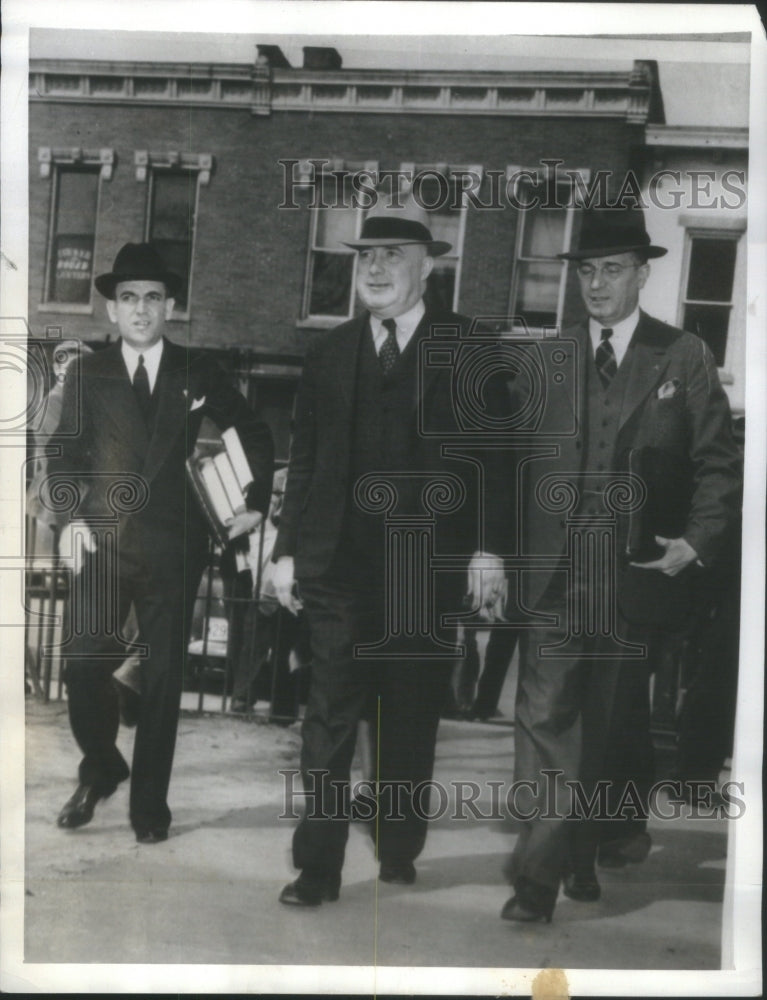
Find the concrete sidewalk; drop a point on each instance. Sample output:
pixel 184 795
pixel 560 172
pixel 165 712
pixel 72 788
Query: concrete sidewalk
pixel 209 894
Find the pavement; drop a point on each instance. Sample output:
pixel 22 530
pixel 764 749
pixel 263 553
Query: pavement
pixel 209 893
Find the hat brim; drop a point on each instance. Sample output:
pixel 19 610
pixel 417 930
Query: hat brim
pixel 648 251
pixel 107 283
pixel 436 248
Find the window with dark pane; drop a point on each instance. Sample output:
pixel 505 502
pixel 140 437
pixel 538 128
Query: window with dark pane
pixel 70 264
pixel 538 274
pixel 445 224
pixel 708 299
pixel 171 224
pixel 330 277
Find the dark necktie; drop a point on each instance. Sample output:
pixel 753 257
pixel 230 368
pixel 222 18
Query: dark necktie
pixel 607 366
pixel 141 388
pixel 389 352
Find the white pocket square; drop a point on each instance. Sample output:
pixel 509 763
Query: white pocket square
pixel 668 389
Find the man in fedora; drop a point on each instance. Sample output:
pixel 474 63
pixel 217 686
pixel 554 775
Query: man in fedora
pixel 646 485
pixel 138 404
pixel 357 423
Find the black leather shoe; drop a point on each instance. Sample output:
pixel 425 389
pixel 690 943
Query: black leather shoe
pixel 524 913
pixel 151 836
pixel 128 703
pixel 310 892
pixel 582 887
pixel 533 902
pixel 79 809
pixel 624 850
pixel 397 872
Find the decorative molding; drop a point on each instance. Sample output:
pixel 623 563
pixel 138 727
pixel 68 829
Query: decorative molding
pixel 697 136
pixel 630 95
pixel 48 157
pixel 144 161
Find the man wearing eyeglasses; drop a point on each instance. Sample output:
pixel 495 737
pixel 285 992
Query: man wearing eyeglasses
pixel 637 495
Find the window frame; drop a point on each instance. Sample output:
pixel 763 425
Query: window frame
pixel 565 181
pixel 447 170
pixel 732 234
pixel 52 163
pixel 324 320
pixel 148 165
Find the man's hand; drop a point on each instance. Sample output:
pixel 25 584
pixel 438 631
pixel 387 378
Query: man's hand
pixel 244 522
pixel 283 580
pixel 488 586
pixel 678 555
pixel 75 540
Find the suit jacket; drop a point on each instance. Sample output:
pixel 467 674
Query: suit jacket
pixel 318 484
pixel 113 440
pixel 675 412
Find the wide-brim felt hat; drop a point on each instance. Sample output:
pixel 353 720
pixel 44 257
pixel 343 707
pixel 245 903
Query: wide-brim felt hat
pixel 389 224
pixel 137 262
pixel 609 231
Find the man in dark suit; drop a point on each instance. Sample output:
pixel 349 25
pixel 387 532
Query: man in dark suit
pixel 362 446
pixel 138 405
pixel 641 488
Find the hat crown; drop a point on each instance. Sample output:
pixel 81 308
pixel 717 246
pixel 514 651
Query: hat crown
pixel 609 231
pixel 136 258
pixel 391 221
pixel 137 262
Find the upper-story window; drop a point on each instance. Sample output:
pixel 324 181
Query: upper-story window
pixel 442 190
pixel 337 214
pixel 72 226
pixel 544 229
pixel 172 208
pixel 707 298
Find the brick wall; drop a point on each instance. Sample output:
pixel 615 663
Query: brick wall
pixel 250 257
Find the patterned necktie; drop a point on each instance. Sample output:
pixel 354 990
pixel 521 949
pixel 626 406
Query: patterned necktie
pixel 141 388
pixel 607 366
pixel 389 352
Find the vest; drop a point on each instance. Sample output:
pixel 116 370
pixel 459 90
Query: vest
pixel 383 440
pixel 602 412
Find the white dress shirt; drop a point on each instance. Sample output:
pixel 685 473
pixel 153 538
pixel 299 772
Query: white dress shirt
pixel 152 357
pixel 622 334
pixel 406 326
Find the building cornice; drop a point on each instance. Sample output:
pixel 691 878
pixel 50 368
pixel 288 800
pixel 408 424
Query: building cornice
pixel 697 136
pixel 632 96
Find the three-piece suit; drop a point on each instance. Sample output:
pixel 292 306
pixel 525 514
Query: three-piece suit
pixel 654 450
pixel 370 467
pixel 129 484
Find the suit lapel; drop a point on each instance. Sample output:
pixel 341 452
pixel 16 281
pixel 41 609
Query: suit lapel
pixel 175 392
pixel 427 374
pixel 343 359
pixel 650 358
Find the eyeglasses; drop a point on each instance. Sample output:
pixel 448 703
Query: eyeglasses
pixel 610 271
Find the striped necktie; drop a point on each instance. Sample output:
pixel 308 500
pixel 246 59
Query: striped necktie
pixel 389 353
pixel 607 366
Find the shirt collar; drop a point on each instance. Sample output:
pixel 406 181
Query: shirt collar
pixel 623 331
pixel 152 356
pixel 407 323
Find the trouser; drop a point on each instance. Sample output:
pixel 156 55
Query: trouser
pixel 162 594
pixel 407 697
pixel 580 718
pixel 498 653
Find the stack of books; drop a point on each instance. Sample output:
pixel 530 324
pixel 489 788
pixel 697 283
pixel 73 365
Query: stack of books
pixel 219 473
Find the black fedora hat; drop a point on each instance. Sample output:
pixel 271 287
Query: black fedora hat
pixel 609 231
pixel 389 224
pixel 137 262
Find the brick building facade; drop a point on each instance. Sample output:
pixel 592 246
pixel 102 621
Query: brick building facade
pixel 195 157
